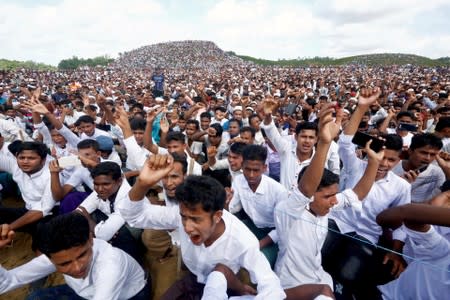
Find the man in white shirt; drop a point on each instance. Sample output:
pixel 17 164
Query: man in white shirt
pixel 92 268
pixel 100 209
pixel 86 125
pixel 301 223
pixel 208 234
pixel 254 199
pixel 32 176
pixel 233 162
pixel 425 178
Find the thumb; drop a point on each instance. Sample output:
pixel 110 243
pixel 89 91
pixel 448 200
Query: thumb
pixel 385 259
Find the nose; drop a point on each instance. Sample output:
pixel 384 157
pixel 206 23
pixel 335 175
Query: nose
pixel 188 226
pixel 333 201
pixel 384 162
pixel 76 266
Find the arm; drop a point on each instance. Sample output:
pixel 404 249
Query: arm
pixel 269 127
pixel 148 140
pixel 366 98
pixel 58 191
pixel 387 120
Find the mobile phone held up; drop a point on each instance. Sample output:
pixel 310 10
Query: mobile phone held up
pixel 361 140
pixel 407 127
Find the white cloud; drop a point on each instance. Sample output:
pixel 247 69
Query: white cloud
pixel 262 28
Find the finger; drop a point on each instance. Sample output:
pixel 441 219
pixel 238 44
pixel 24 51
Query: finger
pixel 385 259
pixel 4 231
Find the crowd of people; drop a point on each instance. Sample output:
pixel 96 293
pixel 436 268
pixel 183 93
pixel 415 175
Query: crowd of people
pixel 257 182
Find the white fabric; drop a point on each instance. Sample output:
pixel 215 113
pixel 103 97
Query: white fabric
pixel 136 155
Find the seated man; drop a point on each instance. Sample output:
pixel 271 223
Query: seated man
pixel 254 199
pixel 29 171
pixel 92 268
pixel 100 209
pixel 302 223
pixel 208 234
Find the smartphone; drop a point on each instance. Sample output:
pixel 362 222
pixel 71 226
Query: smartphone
pixel 291 109
pixel 361 140
pixel 407 127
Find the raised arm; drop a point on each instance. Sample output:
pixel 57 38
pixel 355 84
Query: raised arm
pixel 328 130
pixel 367 96
pixel 148 138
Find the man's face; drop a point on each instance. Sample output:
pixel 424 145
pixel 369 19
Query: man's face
pixel 87 128
pixel 233 128
pixel 190 130
pixel 235 161
pixel 57 138
pixel 422 156
pixel 199 224
pixel 29 161
pixel 390 159
pixel 213 138
pixel 139 136
pixel 246 137
pixel 176 146
pixel 219 115
pixel 253 171
pixel 182 124
pixel 255 123
pixel 90 154
pixel 106 186
pixel 324 199
pixel 237 114
pixel 406 119
pixel 306 139
pixel 204 123
pixel 74 262
pixel 173 179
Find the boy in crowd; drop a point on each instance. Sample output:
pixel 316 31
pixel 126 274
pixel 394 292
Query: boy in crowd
pixel 206 229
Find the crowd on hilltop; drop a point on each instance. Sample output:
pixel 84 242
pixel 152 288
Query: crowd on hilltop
pixel 226 180
pixel 182 54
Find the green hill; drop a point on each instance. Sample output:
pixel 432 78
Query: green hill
pixel 31 65
pixel 382 59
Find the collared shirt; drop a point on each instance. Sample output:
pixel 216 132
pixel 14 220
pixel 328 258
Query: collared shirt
pixel 82 175
pixel 387 192
pixel 35 188
pixel 194 168
pixel 427 184
pixel 290 164
pixel 105 230
pixel 301 237
pixel 113 274
pixel 258 205
pixel 428 277
pixel 237 247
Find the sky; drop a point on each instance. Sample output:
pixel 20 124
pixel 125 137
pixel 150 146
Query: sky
pixel 51 30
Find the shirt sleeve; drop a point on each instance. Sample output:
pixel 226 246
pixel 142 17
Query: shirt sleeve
pixel 427 245
pixel 71 138
pixel 334 162
pixel 136 155
pixel 47 202
pixel 405 198
pixel 235 203
pixel 90 204
pixel 274 136
pixel 220 164
pixel 142 214
pixel 215 287
pixel 347 198
pixel 106 229
pixel 33 270
pixel 43 130
pixel 7 163
pixel 347 154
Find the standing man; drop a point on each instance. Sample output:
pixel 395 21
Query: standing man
pixel 158 79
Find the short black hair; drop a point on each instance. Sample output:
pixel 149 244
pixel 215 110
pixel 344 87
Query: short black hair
pixel 38 147
pixel 218 128
pixel 138 124
pixel 179 158
pixel 221 108
pixel 88 143
pixel 393 142
pixel 205 115
pixel 425 139
pixel 84 119
pixel 203 190
pixel 443 123
pixel 306 126
pixel 63 232
pixel 175 136
pixel 107 168
pixel 238 148
pixel 255 152
pixel 195 122
pixel 248 129
pixel 237 121
pixel 328 178
pixel 406 114
pixel 253 117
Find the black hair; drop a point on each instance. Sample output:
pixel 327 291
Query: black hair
pixel 84 119
pixel 40 148
pixel 443 123
pixel 179 158
pixel 255 152
pixel 248 129
pixel 88 143
pixel 107 168
pixel 138 124
pixel 328 178
pixel 205 115
pixel 425 139
pixel 306 126
pixel 137 105
pixel 406 114
pixel 218 128
pixel 311 102
pixel 253 117
pixel 393 142
pixel 63 232
pixel 237 121
pixel 175 136
pixel 91 107
pixel 195 122
pixel 221 108
pixel 442 109
pixel 203 190
pixel 238 148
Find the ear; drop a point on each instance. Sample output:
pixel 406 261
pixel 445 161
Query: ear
pixel 265 168
pixel 217 216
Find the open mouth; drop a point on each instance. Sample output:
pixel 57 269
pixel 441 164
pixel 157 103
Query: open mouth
pixel 195 239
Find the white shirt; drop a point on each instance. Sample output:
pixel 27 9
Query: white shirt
pixel 97 133
pixel 194 168
pixel 225 164
pixel 301 237
pixel 11 132
pixel 427 184
pixel 35 188
pixel 258 205
pixel 105 230
pixel 82 175
pixel 387 192
pixel 136 155
pixel 113 274
pixel 237 247
pixel 428 277
pixel 216 288
pixel 290 164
